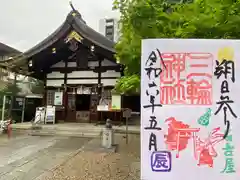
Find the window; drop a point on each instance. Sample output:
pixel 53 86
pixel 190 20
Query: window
pixel 50 97
pixel 109 29
pixel 110 37
pixel 2 58
pixel 4 74
pixel 109 20
pixel 110 32
pixel 72 101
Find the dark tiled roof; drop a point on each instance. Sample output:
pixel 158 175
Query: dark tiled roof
pixel 73 21
pixel 5 49
pixel 91 34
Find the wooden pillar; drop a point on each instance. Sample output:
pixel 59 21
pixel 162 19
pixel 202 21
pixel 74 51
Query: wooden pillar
pixel 44 100
pixel 99 79
pixel 65 95
pixel 99 86
pixel 13 96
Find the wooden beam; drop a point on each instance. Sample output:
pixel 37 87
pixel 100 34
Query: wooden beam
pixel 94 69
pixel 99 86
pixel 81 78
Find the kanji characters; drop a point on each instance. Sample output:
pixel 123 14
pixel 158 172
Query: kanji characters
pixel 153 70
pixel 161 161
pixel 179 82
pixel 199 92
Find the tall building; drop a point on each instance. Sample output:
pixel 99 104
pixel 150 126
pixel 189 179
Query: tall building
pixel 109 27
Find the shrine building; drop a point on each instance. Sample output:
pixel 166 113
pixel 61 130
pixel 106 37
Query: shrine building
pixel 77 66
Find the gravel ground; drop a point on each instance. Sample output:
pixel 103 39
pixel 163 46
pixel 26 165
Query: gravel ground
pixel 90 165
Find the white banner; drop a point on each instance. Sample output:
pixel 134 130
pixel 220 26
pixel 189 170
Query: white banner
pixel 189 116
pixel 50 114
pixel 58 98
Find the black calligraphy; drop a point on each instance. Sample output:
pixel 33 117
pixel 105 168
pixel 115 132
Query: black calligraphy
pixel 152 142
pixel 153 71
pixel 225 68
pixel 152 101
pixel 153 124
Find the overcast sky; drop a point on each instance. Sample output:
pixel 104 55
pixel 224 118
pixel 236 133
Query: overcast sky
pixel 24 23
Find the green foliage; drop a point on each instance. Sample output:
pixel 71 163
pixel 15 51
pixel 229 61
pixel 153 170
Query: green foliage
pixel 37 86
pixel 128 85
pixel 142 19
pixel 9 90
pixel 12 89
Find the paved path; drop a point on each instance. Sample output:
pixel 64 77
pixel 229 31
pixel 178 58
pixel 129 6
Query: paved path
pixel 90 164
pixel 27 157
pixel 79 127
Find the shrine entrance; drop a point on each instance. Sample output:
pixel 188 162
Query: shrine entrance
pixel 82 107
pixel 82 102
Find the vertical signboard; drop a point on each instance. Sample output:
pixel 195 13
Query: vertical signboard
pixel 116 102
pixel 189 109
pixel 50 114
pixel 58 98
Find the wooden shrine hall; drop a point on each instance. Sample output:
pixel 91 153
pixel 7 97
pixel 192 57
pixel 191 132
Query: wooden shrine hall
pixel 78 67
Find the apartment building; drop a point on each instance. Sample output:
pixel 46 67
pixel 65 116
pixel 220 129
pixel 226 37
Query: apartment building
pixel 109 27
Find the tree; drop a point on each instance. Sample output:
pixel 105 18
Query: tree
pixel 37 86
pixel 142 19
pixel 10 89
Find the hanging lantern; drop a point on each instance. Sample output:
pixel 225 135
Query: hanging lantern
pixel 54 50
pixel 30 63
pixel 92 48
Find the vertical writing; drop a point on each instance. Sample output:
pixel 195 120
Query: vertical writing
pixel 225 70
pixel 152 70
pixel 228 153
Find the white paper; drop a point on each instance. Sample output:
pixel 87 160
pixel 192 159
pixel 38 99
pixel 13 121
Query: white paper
pixel 39 115
pixel 103 108
pixel 58 98
pixel 189 103
pixel 50 114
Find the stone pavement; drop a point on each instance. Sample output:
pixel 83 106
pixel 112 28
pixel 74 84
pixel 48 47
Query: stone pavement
pixel 75 129
pixel 27 157
pixel 92 164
